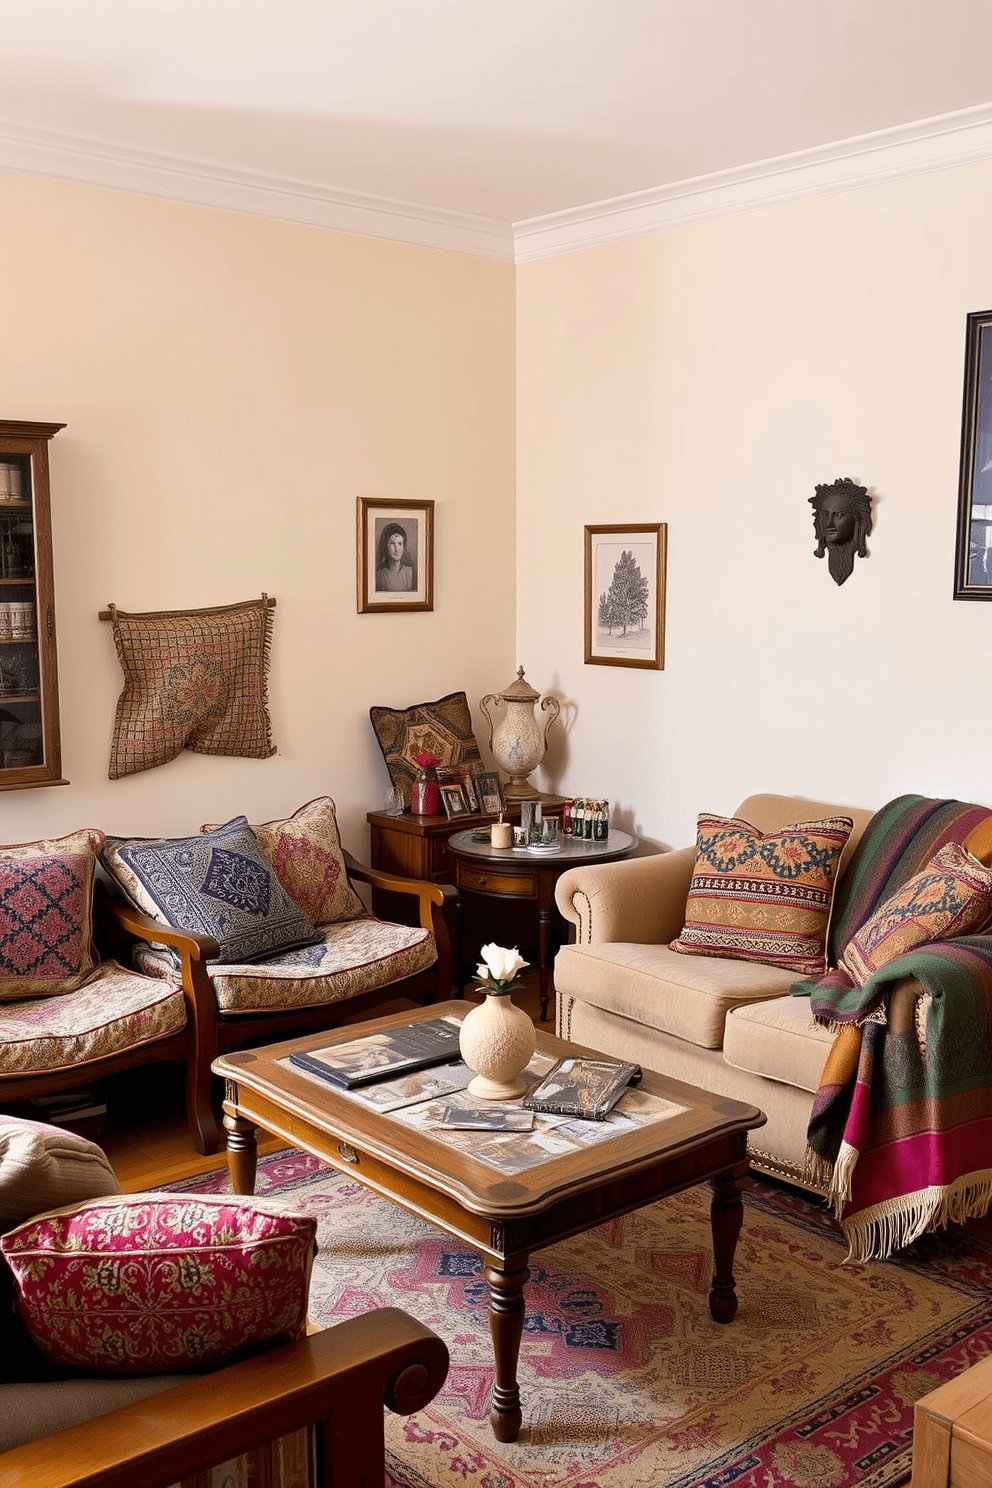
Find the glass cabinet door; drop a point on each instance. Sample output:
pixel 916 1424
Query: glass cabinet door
pixel 30 747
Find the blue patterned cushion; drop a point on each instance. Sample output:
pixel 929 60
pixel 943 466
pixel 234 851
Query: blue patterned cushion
pixel 215 883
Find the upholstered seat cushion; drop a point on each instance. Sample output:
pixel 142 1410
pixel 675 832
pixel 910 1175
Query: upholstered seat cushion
pixel 352 957
pixel 688 996
pixel 779 1040
pixel 117 1008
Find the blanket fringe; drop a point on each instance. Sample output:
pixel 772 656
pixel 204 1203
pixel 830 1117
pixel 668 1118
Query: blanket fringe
pixel 839 1192
pixel 873 1234
pixel 817 1171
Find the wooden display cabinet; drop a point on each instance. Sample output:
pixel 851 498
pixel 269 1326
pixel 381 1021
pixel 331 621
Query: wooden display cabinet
pixel 30 743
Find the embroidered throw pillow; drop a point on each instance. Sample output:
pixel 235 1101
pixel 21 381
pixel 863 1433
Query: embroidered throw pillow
pixel 443 728
pixel 304 852
pixel 46 915
pixel 216 883
pixel 763 896
pixel 193 679
pixel 951 896
pixel 161 1283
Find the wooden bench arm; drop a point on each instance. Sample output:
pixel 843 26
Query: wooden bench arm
pixel 438 908
pixel 339 1380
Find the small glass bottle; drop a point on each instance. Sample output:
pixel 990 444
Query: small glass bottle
pixel 566 818
pixel 601 822
pixel 578 812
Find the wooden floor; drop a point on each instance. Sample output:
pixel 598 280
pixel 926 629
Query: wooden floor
pixel 159 1151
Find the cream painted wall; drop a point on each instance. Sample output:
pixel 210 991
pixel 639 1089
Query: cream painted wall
pixel 710 377
pixel 230 387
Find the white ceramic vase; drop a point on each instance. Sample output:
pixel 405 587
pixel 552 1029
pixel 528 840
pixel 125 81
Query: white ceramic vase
pixel 497 1041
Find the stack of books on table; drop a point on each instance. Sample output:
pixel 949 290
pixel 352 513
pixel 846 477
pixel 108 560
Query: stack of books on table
pixel 80 1111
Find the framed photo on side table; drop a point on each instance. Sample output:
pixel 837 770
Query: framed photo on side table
pixel 625 595
pixel 973 549
pixel 490 792
pixel 395 555
pixel 455 804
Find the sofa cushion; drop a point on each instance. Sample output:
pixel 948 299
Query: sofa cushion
pixel 687 996
pixel 779 1040
pixel 153 1283
pixel 951 896
pixel 351 958
pixel 46 915
pixel 217 883
pixel 45 1167
pixel 304 852
pixel 763 896
pixel 117 1009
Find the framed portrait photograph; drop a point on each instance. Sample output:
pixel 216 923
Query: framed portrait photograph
pixel 625 595
pixel 490 792
pixel 395 555
pixel 454 801
pixel 973 548
pixel 460 775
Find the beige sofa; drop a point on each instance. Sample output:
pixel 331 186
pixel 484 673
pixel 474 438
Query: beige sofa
pixel 728 1026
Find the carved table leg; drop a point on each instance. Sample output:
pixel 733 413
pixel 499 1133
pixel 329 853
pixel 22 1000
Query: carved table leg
pixel 726 1217
pixel 242 1153
pixel 506 1326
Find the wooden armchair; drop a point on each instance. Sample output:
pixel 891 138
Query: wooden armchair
pixel 258 1005
pixel 332 1385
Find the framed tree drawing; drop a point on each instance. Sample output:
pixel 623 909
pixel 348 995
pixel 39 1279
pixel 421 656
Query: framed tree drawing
pixel 625 595
pixel 973 549
pixel 395 555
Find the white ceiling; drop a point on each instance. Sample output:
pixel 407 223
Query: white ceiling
pixel 481 115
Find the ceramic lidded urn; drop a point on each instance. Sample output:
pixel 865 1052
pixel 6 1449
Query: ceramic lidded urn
pixel 518 741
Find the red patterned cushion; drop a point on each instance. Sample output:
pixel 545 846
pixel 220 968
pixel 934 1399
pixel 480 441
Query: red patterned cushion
pixel 46 915
pixel 304 852
pixel 763 897
pixel 155 1283
pixel 951 896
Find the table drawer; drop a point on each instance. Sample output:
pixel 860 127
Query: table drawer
pixel 491 881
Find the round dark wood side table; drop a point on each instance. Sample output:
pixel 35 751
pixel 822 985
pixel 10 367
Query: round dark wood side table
pixel 516 873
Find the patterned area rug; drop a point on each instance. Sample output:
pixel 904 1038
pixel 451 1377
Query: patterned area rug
pixel 626 1381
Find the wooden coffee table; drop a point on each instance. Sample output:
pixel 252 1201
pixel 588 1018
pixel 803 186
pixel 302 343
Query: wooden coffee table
pixel 505 1215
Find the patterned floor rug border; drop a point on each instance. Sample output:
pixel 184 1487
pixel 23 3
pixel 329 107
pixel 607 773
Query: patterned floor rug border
pixel 626 1380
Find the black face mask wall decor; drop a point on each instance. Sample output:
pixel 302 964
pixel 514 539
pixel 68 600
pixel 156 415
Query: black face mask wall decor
pixel 842 522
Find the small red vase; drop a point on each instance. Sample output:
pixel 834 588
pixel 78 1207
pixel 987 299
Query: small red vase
pixel 426 797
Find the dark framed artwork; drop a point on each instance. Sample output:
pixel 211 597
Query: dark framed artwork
pixel 395 555
pixel 490 792
pixel 973 548
pixel 625 595
pixel 453 799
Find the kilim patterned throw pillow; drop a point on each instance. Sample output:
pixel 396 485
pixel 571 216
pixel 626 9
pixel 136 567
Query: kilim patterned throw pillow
pixel 161 1283
pixel 951 896
pixel 304 852
pixel 194 679
pixel 46 915
pixel 216 883
pixel 442 728
pixel 763 896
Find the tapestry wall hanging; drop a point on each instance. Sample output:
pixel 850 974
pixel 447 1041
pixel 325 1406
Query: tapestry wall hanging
pixel 194 679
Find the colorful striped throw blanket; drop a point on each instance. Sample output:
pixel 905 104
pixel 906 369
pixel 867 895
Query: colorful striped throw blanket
pixel 900 1134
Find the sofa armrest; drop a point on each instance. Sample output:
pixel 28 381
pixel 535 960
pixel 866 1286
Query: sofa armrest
pixel 437 907
pixel 338 1380
pixel 640 900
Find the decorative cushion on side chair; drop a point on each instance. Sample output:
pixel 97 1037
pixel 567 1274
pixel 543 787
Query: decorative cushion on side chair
pixel 442 728
pixel 46 915
pixel 153 1283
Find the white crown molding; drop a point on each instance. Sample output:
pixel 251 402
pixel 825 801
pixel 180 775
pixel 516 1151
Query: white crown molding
pixel 81 162
pixel 929 145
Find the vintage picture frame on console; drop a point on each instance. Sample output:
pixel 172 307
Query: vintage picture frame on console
pixel 490 793
pixel 460 775
pixel 395 555
pixel 625 594
pixel 454 802
pixel 973 548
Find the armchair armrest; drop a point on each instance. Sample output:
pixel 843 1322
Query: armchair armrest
pixel 133 922
pixel 437 906
pixel 640 900
pixel 337 1380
